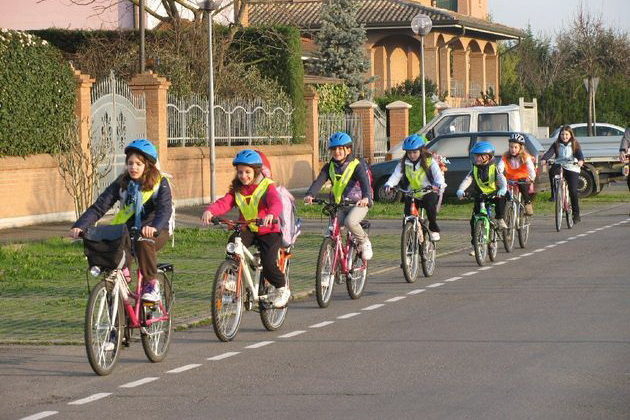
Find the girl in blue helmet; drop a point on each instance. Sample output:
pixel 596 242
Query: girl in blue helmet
pixel 417 169
pixel 256 197
pixel 350 183
pixel 485 179
pixel 146 203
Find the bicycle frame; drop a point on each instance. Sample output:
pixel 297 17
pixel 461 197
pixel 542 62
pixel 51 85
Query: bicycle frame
pixel 342 252
pixel 483 216
pixel 239 252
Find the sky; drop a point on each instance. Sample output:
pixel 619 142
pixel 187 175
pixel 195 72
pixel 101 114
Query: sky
pixel 547 17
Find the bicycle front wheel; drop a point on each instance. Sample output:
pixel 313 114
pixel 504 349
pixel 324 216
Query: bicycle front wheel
pixel 511 218
pixel 103 329
pixel 273 318
pixel 559 203
pixel 227 301
pixel 479 241
pixel 493 245
pixel 523 229
pixel 428 251
pixel 409 252
pixel 157 338
pixel 568 210
pixel 356 279
pixel 325 273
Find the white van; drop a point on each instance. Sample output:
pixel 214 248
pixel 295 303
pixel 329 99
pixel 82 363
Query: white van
pixel 522 117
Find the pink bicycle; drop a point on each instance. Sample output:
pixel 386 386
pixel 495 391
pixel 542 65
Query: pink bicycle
pixel 113 310
pixel 337 259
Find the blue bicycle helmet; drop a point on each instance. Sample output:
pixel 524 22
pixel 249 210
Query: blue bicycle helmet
pixel 145 147
pixel 339 139
pixel 414 142
pixel 247 157
pixel 482 148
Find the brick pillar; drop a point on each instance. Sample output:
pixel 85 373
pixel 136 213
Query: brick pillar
pixel 83 108
pixel 312 126
pixel 461 65
pixel 432 65
pixel 155 91
pixel 398 122
pixel 445 70
pixel 365 111
pixel 477 73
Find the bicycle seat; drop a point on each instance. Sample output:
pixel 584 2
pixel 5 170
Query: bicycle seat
pixel 166 267
pixel 365 224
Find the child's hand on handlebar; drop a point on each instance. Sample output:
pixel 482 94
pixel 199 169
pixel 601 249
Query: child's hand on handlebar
pixel 308 200
pixel 267 220
pixel 460 194
pixel 364 202
pixel 148 231
pixel 75 233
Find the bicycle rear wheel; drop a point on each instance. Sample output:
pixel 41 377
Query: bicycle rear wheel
pixel 227 301
pixel 568 210
pixel 479 241
pixel 493 245
pixel 157 338
pixel 511 218
pixel 428 251
pixel 325 273
pixel 523 228
pixel 273 318
pixel 559 203
pixel 103 328
pixel 410 253
pixel 356 278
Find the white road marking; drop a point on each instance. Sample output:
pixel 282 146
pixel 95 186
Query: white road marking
pixel 539 250
pixel 571 238
pixel 551 246
pixel 259 344
pixel 454 279
pixel 383 270
pixel 470 273
pixel 591 231
pixel 500 262
pixel 184 368
pixel 513 259
pixel 94 397
pixel 436 285
pixel 322 324
pixel 488 267
pixel 372 307
pixel 581 235
pixel 396 299
pixel 561 242
pixel 350 315
pixel 223 356
pixel 292 334
pixel 527 254
pixel 416 291
pixel 41 415
pixel 139 382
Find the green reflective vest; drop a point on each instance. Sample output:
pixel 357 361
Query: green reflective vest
pixel 491 185
pixel 129 210
pixel 340 182
pixel 249 209
pixel 416 177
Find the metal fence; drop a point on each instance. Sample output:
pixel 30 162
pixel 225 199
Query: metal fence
pixel 331 123
pixel 381 140
pixel 237 122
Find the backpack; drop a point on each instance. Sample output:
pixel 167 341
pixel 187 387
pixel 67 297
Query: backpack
pixel 290 224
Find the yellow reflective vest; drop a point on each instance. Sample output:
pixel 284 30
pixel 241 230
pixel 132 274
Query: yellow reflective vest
pixel 491 185
pixel 416 177
pixel 249 209
pixel 340 182
pixel 129 210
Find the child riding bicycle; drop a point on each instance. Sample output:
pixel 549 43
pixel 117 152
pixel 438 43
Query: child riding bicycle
pixel 256 197
pixel 566 150
pixel 146 204
pixel 518 165
pixel 420 170
pixel 350 183
pixel 486 179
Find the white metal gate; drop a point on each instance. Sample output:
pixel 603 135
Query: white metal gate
pixel 331 123
pixel 381 140
pixel 118 117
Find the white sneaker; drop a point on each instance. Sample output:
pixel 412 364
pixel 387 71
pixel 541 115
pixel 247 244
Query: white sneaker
pixel 501 224
pixel 472 252
pixel 109 346
pixel 435 236
pixel 366 250
pixel 282 296
pixel 151 292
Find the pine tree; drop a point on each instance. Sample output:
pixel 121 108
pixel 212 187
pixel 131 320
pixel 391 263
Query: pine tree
pixel 341 42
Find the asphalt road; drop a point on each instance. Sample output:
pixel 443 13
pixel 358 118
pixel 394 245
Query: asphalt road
pixel 543 333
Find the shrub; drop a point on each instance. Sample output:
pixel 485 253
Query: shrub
pixel 37 95
pixel 333 99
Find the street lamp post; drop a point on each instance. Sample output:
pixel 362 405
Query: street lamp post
pixel 141 26
pixel 421 25
pixel 208 6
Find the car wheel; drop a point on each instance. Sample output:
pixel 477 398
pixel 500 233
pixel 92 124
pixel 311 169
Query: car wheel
pixel 384 196
pixel 586 184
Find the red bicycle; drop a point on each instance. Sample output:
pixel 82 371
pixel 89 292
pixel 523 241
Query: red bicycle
pixel 113 310
pixel 337 259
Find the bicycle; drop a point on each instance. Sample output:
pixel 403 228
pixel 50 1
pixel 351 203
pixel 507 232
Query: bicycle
pixel 110 316
pixel 485 231
pixel 336 259
pixel 415 241
pixel 563 201
pixel 515 215
pixel 230 296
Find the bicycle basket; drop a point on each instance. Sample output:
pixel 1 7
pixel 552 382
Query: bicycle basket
pixel 105 246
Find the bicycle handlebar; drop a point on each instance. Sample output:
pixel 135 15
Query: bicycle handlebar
pixel 417 190
pixel 232 224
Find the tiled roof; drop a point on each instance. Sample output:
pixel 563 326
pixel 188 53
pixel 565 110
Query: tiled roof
pixel 371 13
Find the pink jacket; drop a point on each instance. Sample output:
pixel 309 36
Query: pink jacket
pixel 269 204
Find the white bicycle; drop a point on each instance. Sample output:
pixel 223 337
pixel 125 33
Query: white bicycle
pixel 231 294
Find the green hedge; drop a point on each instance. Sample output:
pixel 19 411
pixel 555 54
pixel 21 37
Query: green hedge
pixel 333 98
pixel 37 95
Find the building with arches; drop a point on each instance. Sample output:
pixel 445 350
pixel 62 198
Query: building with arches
pixel 461 51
